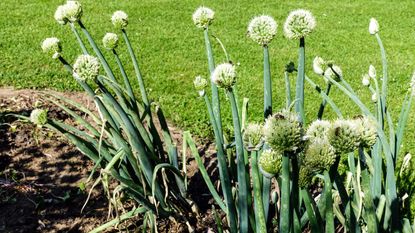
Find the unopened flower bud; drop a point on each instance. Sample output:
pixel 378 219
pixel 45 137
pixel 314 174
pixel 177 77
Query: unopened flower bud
pixel 319 65
pixel 372 71
pixel 110 41
pixel 224 76
pixel 334 72
pixel 86 67
pixel 373 26
pixel 39 117
pixel 299 24
pixel 375 98
pixel 252 136
pixel 200 85
pixel 203 17
pixel 119 19
pixel 52 46
pixel 262 29
pixel 366 80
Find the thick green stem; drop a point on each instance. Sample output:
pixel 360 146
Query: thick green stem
pixel 215 92
pixel 78 38
pixel 261 225
pixel 223 171
pixel 125 77
pixel 385 72
pixel 136 69
pixel 97 52
pixel 323 103
pixel 241 168
pixel 287 90
pixel 299 88
pixel 285 217
pixel 267 84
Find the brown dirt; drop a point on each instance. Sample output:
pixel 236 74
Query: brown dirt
pixel 40 175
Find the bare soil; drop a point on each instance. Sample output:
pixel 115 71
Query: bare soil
pixel 41 174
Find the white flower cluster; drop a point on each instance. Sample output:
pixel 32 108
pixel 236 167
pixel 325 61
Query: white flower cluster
pixel 69 12
pixel 86 67
pixel 39 117
pixel 299 24
pixel 203 17
pixel 110 41
pixel 119 19
pixel 224 75
pixel 262 29
pixel 52 46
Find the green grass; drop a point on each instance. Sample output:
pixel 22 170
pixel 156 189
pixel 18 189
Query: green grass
pixel 171 50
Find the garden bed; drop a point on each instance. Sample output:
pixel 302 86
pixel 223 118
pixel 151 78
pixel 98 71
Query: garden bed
pixel 41 175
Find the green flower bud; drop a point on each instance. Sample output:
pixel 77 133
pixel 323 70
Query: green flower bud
pixel 39 117
pixel 283 132
pixel 319 65
pixel 110 41
pixel 86 67
pixel 119 19
pixel 200 85
pixel 270 163
pixel 334 72
pixel 344 136
pixel 319 155
pixel 52 46
pixel 318 130
pixel 305 177
pixel 253 136
pixel 262 29
pixel 203 17
pixel 72 11
pixel 299 24
pixel 224 76
pixel 368 131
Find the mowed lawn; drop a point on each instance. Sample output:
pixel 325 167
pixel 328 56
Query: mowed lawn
pixel 171 50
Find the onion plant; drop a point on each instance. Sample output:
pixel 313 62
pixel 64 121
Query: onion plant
pixel 294 155
pixel 122 139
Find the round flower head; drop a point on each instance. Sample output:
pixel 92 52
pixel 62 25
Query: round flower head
pixel 299 24
pixel 372 71
pixel 52 46
pixel 119 19
pixel 373 26
pixel 319 65
pixel 319 155
pixel 366 80
pixel 262 29
pixel 224 75
pixel 270 163
pixel 203 17
pixel 334 72
pixel 375 98
pixel 72 11
pixel 60 16
pixel 368 131
pixel 200 85
pixel 86 67
pixel 253 136
pixel 344 136
pixel 39 117
pixel 318 130
pixel 283 131
pixel 110 41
